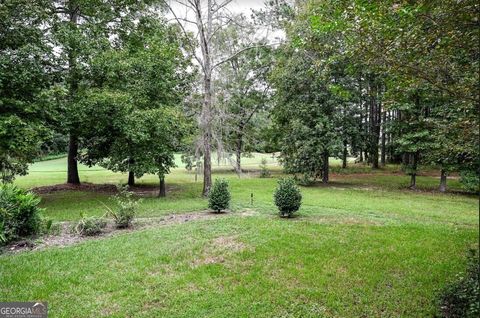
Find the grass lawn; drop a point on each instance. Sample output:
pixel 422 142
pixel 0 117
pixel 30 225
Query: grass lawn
pixel 362 246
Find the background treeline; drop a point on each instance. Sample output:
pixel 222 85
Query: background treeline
pixel 385 82
pixel 114 83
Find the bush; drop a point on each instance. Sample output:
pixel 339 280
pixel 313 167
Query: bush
pixel 19 213
pixel 90 226
pixel 461 298
pixel 287 197
pixel 264 173
pixel 219 198
pixel 126 208
pixel 47 227
pixel 470 180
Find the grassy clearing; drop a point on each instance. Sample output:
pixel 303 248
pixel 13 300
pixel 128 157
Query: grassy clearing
pixel 362 246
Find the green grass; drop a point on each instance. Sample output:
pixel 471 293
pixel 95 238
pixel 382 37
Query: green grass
pixel 363 246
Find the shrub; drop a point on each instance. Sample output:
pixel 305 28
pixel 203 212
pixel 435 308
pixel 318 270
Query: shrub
pixel 219 198
pixel 287 197
pixel 19 213
pixel 47 227
pixel 470 180
pixel 461 298
pixel 264 173
pixel 90 226
pixel 126 208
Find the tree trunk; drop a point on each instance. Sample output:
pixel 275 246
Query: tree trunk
pixel 389 140
pixel 162 190
pixel 72 167
pixel 443 180
pixel 207 166
pixel 413 181
pixel 205 32
pixel 238 153
pixel 413 166
pixel 375 129
pixel 344 157
pixel 325 167
pixel 207 136
pixel 362 115
pixel 384 140
pixel 131 178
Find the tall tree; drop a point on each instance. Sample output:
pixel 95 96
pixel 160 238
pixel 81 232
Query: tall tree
pixel 81 29
pixel 305 115
pixel 146 76
pixel 207 18
pixel 242 89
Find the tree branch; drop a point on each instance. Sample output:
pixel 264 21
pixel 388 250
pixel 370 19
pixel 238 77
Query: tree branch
pixel 240 52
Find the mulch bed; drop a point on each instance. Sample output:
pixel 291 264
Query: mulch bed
pixel 141 190
pixel 67 237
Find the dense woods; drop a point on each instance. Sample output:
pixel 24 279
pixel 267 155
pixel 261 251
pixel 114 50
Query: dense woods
pixel 130 83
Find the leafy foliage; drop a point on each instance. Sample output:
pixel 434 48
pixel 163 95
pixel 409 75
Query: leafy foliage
pixel 242 90
pixel 287 197
pixel 19 213
pixel 470 180
pixel 141 83
pixel 462 298
pixel 219 197
pixel 24 58
pixel 264 172
pixel 90 226
pixel 126 208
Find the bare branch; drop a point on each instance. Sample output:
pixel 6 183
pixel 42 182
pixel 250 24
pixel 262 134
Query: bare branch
pixel 240 52
pixel 192 47
pixel 220 6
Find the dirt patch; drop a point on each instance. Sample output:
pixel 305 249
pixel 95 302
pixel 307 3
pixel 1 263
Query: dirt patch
pixel 229 242
pixel 218 250
pixel 249 212
pixel 66 237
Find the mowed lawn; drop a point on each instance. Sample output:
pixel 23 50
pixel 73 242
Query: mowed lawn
pixel 363 246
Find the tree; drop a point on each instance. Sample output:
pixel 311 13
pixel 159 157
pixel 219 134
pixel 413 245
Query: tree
pixel 305 115
pixel 25 76
pixel 320 101
pixel 207 18
pixel 154 135
pixel 242 89
pixel 136 91
pixel 80 30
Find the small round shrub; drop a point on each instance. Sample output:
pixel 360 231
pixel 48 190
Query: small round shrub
pixel 287 197
pixel 19 213
pixel 219 198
